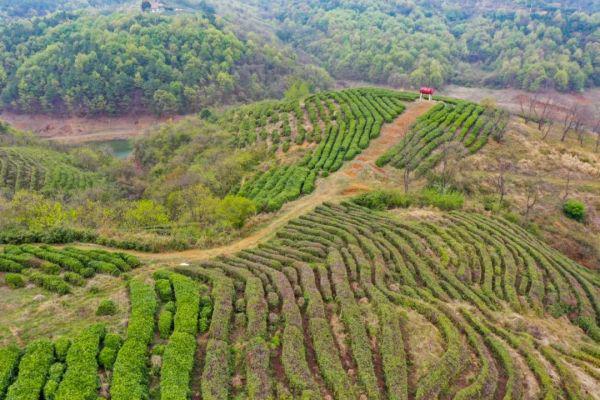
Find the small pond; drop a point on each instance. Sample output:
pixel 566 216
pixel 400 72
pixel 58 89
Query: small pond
pixel 121 148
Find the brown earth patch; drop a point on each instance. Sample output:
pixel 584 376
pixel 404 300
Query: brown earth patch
pixel 76 130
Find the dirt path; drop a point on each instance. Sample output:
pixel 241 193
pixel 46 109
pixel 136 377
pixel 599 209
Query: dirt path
pixel 354 177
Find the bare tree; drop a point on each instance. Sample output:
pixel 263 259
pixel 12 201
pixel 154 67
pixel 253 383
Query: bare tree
pixel 532 101
pixel 567 185
pixel 570 119
pixel 500 183
pixel 406 179
pixel 527 105
pixel 532 194
pixel 543 112
pixel 582 120
pixel 451 154
pixel 546 128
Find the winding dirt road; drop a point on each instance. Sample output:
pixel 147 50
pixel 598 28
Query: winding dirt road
pixel 354 177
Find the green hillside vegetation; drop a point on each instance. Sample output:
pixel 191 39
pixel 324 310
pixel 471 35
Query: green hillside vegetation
pixel 32 8
pixel 443 130
pixel 341 123
pixel 197 182
pixel 74 63
pixel 42 170
pixel 338 304
pixel 57 270
pixel 26 164
pixel 409 43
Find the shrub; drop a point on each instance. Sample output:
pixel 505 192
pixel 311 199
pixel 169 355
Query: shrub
pixel 108 355
pixel 9 360
pixel 165 323
pixel 574 209
pixel 81 378
pixel 106 307
pixel 130 369
pixel 33 369
pixel 164 290
pixel 383 199
pixel 61 348
pixel 178 361
pixel 14 281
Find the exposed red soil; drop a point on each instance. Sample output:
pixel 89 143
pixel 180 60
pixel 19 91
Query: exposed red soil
pixel 82 130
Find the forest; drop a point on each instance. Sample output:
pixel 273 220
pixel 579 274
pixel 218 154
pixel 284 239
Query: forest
pixel 70 63
pixel 405 43
pixel 259 200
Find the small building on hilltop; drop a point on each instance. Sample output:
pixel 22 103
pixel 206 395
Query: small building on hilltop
pixel 427 91
pixel 153 6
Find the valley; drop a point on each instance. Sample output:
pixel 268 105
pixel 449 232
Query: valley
pixel 311 200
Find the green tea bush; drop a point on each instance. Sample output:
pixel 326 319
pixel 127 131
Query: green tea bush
pixel 383 199
pixel 9 360
pixel 165 323
pixel 110 349
pixel 54 377
pixel 51 283
pixel 14 281
pixel 61 348
pixel 130 372
pixel 74 278
pixel 81 378
pixel 574 209
pixel 444 201
pixel 106 307
pixel 177 365
pixel 33 369
pixel 187 299
pixel 164 290
pixel 7 265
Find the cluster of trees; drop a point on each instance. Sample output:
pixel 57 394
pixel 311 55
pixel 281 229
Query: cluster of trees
pixel 176 185
pixel 567 118
pixel 112 64
pixel 408 44
pixel 30 8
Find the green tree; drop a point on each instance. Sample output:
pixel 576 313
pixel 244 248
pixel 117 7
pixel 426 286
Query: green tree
pixel 145 214
pixel 165 103
pixel 561 80
pixel 298 89
pixel 34 212
pixel 235 210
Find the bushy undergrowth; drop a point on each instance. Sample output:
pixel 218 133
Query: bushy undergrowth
pixel 388 199
pixel 574 209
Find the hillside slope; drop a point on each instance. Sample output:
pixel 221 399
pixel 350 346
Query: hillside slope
pixel 531 46
pixel 86 64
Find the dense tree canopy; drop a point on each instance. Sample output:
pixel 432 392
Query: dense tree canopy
pixel 528 45
pixel 30 8
pixel 92 64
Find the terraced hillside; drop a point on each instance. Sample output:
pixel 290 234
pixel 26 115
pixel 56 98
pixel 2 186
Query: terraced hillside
pixel 344 303
pixel 336 126
pixel 57 270
pixel 39 169
pixel 451 123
